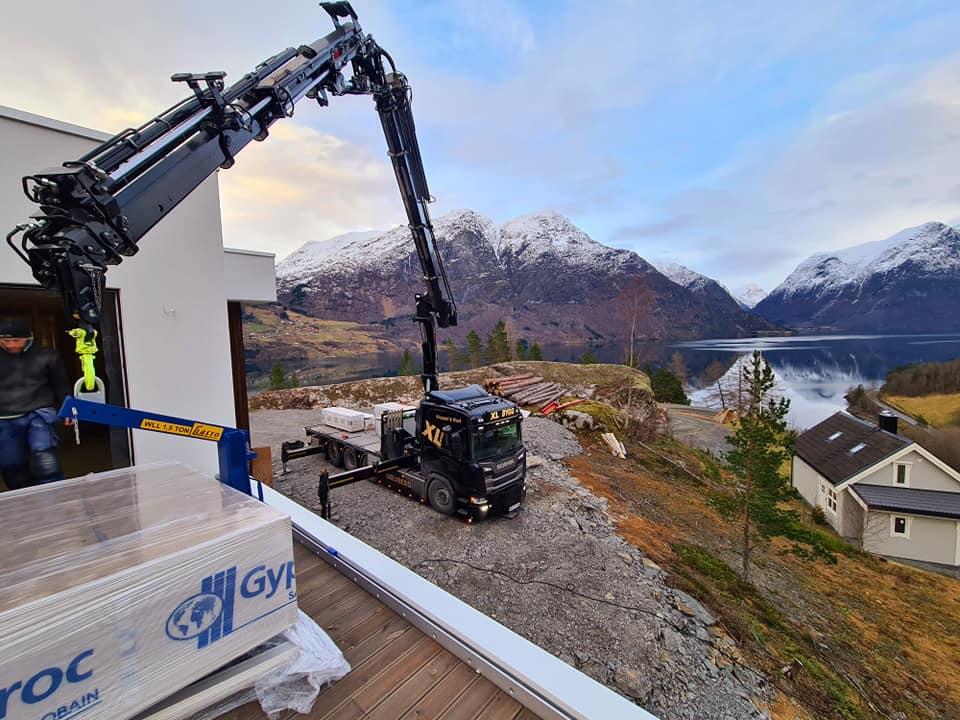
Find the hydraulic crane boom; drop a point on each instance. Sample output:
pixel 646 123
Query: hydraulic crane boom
pixel 93 212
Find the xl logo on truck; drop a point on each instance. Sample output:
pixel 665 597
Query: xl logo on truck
pixel 44 683
pixel 208 615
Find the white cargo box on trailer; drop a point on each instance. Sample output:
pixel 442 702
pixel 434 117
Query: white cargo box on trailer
pixel 386 407
pixel 343 419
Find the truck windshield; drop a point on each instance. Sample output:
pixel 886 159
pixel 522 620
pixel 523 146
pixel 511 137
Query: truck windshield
pixel 494 441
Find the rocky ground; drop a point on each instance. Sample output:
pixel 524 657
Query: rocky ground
pixel 558 574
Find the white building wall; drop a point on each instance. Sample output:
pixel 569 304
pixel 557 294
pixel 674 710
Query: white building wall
pixel 250 276
pixel 923 474
pixel 172 294
pixel 931 539
pixel 806 480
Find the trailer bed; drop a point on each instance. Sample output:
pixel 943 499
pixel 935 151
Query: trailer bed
pixel 366 440
pixel 398 672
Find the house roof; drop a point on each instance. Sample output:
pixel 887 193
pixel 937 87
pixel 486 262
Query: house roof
pixel 843 446
pixel 937 503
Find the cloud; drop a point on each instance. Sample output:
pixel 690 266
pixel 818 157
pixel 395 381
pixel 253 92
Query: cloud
pixel 304 185
pixel 848 176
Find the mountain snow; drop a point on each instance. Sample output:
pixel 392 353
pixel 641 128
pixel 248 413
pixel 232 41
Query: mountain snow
pixel 932 247
pixel 683 276
pixel 526 239
pixel 749 295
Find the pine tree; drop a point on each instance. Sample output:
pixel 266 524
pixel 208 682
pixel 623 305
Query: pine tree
pixel 454 359
pixel 498 344
pixel 278 376
pixel 522 349
pixel 588 358
pixel 406 364
pixel 535 353
pixel 759 448
pixel 474 349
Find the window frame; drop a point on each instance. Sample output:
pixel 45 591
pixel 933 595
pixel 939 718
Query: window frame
pixel 832 499
pixel 906 474
pixel 906 526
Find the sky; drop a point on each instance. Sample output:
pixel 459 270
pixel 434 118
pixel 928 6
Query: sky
pixel 736 138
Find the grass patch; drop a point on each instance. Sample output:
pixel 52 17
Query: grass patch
pixel 935 410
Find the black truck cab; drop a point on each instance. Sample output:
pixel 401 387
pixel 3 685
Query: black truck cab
pixel 472 457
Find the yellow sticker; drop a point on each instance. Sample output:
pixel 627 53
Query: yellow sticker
pixel 165 427
pixel 206 432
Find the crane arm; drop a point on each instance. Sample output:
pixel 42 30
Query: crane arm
pixel 93 212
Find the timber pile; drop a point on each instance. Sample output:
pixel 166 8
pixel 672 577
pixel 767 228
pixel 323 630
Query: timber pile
pixel 526 389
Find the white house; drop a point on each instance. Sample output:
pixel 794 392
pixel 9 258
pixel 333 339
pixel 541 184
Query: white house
pixel 171 337
pixel 881 490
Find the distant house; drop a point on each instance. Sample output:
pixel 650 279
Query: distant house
pixel 881 490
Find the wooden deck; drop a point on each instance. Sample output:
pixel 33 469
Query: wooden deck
pixel 398 672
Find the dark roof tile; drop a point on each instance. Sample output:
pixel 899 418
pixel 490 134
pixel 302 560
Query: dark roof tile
pixel 833 459
pixel 914 501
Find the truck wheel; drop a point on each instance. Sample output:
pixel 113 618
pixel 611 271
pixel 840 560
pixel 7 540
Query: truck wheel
pixel 441 496
pixel 335 454
pixel 350 459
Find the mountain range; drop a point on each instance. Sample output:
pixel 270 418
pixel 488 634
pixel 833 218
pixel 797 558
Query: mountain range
pixel 547 278
pixel 907 283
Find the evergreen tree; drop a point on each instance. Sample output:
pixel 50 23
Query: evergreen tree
pixel 278 376
pixel 454 359
pixel 474 349
pixel 406 364
pixel 588 358
pixel 666 386
pixel 535 353
pixel 498 344
pixel 522 350
pixel 759 448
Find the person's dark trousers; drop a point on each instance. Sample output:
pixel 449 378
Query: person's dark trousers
pixel 28 449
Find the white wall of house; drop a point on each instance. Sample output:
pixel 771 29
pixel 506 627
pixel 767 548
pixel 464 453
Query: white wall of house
pixel 250 276
pixel 806 480
pixel 929 539
pixel 172 294
pixel 922 474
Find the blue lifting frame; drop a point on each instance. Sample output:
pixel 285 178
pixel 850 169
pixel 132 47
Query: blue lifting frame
pixel 233 445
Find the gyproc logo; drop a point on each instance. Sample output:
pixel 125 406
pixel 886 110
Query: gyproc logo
pixel 44 683
pixel 209 615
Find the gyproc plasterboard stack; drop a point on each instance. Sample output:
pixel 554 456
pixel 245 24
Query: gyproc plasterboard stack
pixel 118 589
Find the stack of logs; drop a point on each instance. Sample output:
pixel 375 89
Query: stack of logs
pixel 526 389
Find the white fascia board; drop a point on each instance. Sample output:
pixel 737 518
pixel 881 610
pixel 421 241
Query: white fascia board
pixel 868 470
pixel 52 124
pixel 566 690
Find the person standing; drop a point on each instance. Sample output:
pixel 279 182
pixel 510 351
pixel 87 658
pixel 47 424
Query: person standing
pixel 33 385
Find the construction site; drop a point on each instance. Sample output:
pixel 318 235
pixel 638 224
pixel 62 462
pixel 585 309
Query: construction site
pixel 525 539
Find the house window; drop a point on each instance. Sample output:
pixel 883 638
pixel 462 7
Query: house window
pixel 832 500
pixel 834 436
pixel 901 474
pixel 899 526
pixel 856 448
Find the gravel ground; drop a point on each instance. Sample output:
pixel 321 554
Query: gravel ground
pixel 558 574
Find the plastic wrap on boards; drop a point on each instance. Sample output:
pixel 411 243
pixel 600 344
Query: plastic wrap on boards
pixel 120 588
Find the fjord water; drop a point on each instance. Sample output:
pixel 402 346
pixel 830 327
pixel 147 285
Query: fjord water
pixel 814 372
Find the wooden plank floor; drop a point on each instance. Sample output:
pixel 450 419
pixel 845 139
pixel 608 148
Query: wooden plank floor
pixel 397 671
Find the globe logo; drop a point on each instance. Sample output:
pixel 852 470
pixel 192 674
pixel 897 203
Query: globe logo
pixel 193 616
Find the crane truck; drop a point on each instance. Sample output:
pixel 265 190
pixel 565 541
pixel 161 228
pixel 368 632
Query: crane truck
pixel 462 449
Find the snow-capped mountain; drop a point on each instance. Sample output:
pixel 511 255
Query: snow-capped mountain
pixel 749 295
pixel 542 273
pixel 707 288
pixel 682 275
pixel 909 282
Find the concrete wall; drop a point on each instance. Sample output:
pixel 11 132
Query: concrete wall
pixel 931 540
pixel 172 293
pixel 250 277
pixel 923 474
